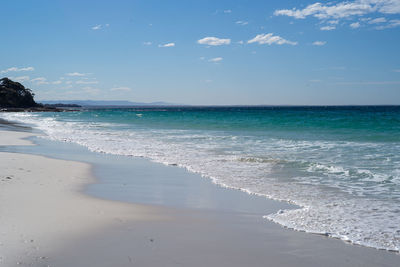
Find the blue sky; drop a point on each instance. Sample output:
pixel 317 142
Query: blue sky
pixel 205 52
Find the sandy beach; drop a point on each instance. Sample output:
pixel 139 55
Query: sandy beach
pixel 41 207
pixel 47 219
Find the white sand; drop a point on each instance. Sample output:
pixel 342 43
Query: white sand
pixel 41 205
pixel 8 138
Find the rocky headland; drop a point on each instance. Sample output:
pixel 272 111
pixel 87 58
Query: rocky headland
pixel 14 97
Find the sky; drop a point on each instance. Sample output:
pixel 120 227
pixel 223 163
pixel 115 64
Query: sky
pixel 220 52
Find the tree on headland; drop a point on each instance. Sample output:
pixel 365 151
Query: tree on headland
pixel 15 95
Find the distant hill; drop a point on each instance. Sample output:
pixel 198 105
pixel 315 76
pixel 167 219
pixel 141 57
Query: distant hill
pixel 86 103
pixel 60 105
pixel 15 95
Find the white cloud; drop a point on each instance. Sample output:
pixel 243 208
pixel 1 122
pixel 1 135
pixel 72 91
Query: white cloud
pixel 240 42
pixel 387 6
pixel 39 80
pixel 391 24
pixel 147 43
pixel 86 82
pixel 100 27
pixel 16 69
pixel 270 39
pixel 365 19
pixel 167 45
pixel 20 78
pixel 343 9
pixel 75 74
pixel 321 11
pixel 216 59
pixel 241 22
pixel 57 82
pixel 377 20
pixel 121 89
pixel 227 11
pixel 355 25
pixel 333 22
pixel 332 12
pixel 319 43
pixel 97 27
pixel 214 41
pixel 327 28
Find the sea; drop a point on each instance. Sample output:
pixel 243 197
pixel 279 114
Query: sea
pixel 340 165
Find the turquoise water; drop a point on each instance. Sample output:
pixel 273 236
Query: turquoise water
pixel 340 164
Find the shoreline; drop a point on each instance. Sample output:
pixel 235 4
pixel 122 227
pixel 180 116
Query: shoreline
pixel 187 235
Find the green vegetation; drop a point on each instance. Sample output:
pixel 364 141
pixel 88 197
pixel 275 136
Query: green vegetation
pixel 15 95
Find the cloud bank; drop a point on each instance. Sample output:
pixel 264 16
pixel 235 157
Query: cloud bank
pixel 335 11
pixel 16 69
pixel 216 59
pixel 167 45
pixel 342 9
pixel 319 43
pixel 214 41
pixel 76 74
pixel 270 39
